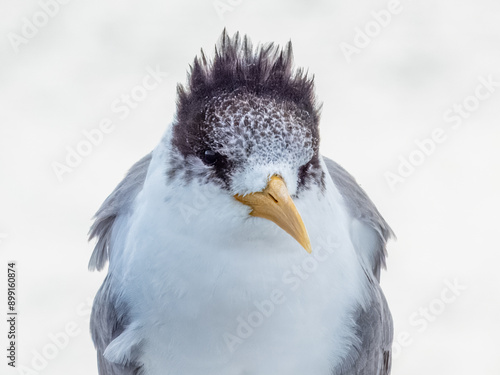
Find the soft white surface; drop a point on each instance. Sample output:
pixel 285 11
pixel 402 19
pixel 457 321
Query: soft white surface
pixel 396 91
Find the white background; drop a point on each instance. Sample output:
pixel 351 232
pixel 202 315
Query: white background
pixel 390 94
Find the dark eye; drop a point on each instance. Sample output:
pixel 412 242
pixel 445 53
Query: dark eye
pixel 210 157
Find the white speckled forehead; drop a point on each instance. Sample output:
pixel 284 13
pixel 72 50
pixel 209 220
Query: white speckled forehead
pixel 259 130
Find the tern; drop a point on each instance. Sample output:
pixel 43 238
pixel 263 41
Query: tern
pixel 235 247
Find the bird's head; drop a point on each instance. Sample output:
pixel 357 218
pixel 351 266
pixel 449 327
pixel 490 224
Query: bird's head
pixel 248 123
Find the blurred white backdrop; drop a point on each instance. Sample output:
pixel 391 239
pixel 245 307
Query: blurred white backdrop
pixel 391 75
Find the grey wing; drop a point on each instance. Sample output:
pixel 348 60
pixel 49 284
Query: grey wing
pixel 107 322
pixel 109 317
pixel 371 354
pixel 118 202
pixel 371 245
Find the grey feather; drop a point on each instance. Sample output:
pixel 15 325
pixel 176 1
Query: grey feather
pixel 362 209
pixel 108 320
pixel 371 354
pixel 118 202
pixel 109 313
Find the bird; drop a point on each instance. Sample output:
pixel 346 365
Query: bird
pixel 235 247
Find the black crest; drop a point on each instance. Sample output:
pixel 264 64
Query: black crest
pixel 266 70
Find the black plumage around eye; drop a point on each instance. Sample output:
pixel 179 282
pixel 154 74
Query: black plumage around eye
pixel 210 157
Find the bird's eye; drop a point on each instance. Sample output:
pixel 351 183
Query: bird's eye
pixel 210 157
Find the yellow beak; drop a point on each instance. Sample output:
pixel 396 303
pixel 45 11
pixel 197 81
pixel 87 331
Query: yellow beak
pixel 275 204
